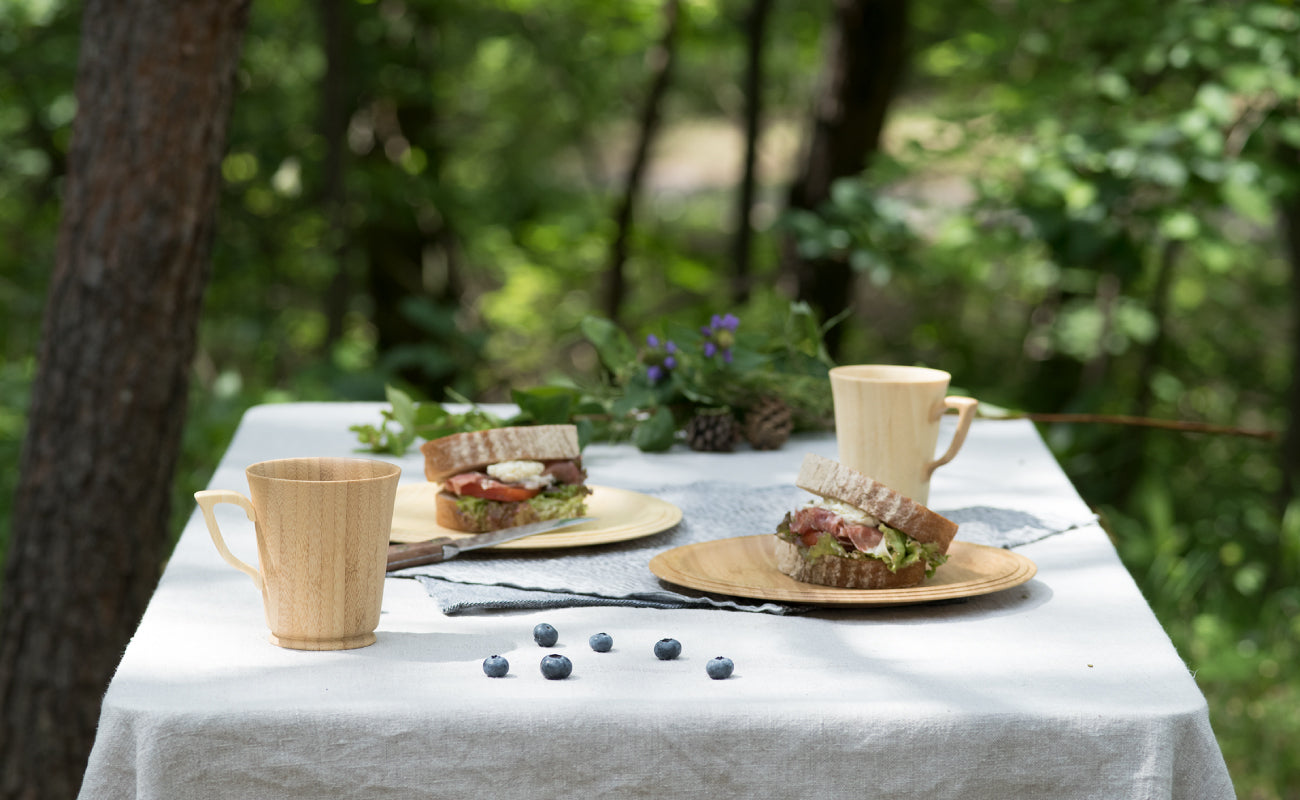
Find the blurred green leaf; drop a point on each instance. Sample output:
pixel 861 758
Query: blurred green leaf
pixel 657 433
pixel 611 344
pixel 546 405
pixel 403 406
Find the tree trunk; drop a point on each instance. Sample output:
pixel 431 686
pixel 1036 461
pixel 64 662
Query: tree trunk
pixel 862 71
pixel 1127 456
pixel 755 37
pixel 661 58
pixel 1289 221
pixel 155 85
pixel 408 242
pixel 334 125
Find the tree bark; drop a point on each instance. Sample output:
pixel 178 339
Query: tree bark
pixel 861 74
pixel 408 242
pixel 755 37
pixel 155 84
pixel 661 59
pixel 333 125
pixel 1289 222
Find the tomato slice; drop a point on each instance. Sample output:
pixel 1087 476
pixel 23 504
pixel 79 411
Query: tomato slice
pixel 492 489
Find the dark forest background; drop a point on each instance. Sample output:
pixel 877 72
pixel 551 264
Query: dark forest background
pixel 1088 209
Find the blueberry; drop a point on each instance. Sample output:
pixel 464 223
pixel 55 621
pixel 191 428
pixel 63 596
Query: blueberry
pixel 495 667
pixel 545 635
pixel 719 668
pixel 667 649
pixel 556 667
pixel 601 642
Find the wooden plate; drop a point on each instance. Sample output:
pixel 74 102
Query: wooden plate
pixel 620 515
pixel 746 567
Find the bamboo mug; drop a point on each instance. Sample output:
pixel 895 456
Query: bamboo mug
pixel 887 423
pixel 322 529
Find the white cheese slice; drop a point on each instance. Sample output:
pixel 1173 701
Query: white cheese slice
pixel 848 512
pixel 515 471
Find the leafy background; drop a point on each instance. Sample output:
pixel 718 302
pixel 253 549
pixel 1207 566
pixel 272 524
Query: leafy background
pixel 1075 211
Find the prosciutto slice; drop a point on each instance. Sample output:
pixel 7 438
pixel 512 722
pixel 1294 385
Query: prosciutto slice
pixel 566 471
pixel 811 521
pixel 478 484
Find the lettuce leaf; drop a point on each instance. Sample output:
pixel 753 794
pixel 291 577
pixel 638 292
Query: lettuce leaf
pixel 903 551
pixel 827 545
pixel 565 500
pixel 900 549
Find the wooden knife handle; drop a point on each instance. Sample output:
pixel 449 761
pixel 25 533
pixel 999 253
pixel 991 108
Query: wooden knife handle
pixel 401 556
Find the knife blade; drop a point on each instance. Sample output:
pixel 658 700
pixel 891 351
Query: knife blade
pixel 401 556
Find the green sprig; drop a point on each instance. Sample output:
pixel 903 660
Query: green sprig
pixel 789 363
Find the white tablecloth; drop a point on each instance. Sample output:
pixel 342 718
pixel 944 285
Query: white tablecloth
pixel 1065 687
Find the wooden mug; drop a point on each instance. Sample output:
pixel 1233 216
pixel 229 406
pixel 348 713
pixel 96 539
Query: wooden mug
pixel 322 544
pixel 887 423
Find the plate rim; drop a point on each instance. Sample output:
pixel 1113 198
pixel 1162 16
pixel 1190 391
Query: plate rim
pixel 661 515
pixel 831 596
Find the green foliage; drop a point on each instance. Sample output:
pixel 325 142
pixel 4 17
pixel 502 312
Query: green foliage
pixel 407 420
pixel 651 391
pixel 859 224
pixel 1122 244
pixel 1074 212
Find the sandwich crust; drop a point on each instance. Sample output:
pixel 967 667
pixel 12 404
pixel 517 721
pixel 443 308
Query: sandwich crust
pixel 501 515
pixel 834 481
pixel 465 452
pixel 844 573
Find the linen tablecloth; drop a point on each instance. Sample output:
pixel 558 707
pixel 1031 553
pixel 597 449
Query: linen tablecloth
pixel 1064 687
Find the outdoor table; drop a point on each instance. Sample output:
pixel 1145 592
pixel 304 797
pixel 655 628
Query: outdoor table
pixel 1063 687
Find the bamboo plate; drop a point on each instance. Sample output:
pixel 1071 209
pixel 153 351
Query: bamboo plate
pixel 746 567
pixel 620 515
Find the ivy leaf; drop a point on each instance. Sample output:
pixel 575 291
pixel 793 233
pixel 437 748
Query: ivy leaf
pixel 386 439
pixel 432 421
pixel 546 405
pixel 586 432
pixel 403 407
pixel 612 345
pixel 590 406
pixel 637 395
pixel 655 434
pixel 369 436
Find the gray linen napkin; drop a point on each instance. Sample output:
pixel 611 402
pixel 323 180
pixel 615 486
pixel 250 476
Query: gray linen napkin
pixel 619 574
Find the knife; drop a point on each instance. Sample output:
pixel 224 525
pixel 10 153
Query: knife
pixel 416 554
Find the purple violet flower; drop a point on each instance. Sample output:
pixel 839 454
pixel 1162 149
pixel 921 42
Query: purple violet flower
pixel 659 358
pixel 720 336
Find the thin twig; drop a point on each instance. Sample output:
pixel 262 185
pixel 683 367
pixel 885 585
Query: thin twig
pixel 1146 422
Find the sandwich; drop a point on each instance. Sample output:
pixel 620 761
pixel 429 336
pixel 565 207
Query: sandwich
pixel 858 533
pixel 503 477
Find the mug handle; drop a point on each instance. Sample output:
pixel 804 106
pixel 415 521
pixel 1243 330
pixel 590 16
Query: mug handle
pixel 966 410
pixel 208 499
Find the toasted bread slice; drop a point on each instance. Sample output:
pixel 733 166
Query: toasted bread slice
pixel 502 515
pixel 465 452
pixel 834 481
pixel 844 573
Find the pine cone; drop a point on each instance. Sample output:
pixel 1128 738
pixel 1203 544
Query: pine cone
pixel 712 430
pixel 768 424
